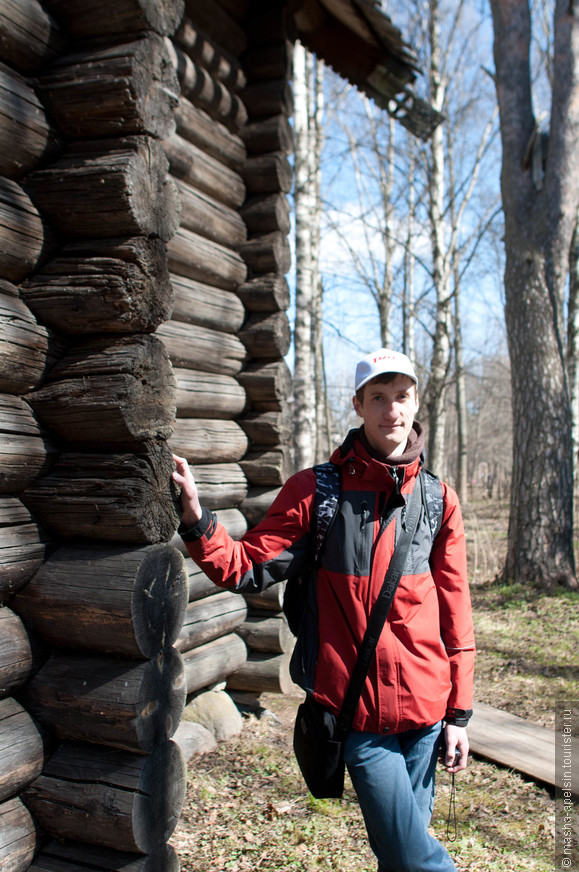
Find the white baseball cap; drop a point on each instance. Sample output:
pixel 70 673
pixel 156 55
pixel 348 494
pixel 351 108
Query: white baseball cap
pixel 383 361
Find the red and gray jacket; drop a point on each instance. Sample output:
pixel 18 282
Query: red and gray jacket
pixel 423 668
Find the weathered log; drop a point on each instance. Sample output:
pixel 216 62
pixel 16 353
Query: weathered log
pixel 19 836
pixel 267 293
pixel 206 394
pixel 124 601
pixel 270 61
pixel 262 673
pixel 265 632
pixel 113 798
pixel 267 468
pixel 211 618
pixel 114 17
pixel 204 215
pixel 21 654
pixel 268 97
pixel 104 286
pixel 256 504
pixel 205 52
pixel 126 704
pixel 212 663
pixel 197 258
pixel 204 172
pixel 23 547
pixel 269 24
pixel 200 585
pixel 267 428
pixel 25 453
pixel 268 135
pixel 201 348
pixel 23 344
pixel 233 521
pixel 267 385
pixel 267 335
pixel 224 29
pixel 23 238
pixel 267 213
pixel 203 440
pixel 220 485
pixel 208 135
pixel 267 173
pixel 21 749
pixel 206 306
pixel 29 36
pixel 109 188
pixel 267 253
pixel 25 135
pixel 117 497
pixel 118 90
pixel 208 93
pixel 269 600
pixel 73 857
pixel 114 390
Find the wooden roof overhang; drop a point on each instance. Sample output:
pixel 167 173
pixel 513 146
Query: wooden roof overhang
pixel 361 43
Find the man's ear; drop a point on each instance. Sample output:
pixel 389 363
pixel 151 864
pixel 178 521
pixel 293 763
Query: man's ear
pixel 357 406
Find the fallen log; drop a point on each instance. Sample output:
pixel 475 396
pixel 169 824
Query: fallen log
pixel 131 88
pixel 29 37
pixel 114 17
pixel 23 237
pixel 25 452
pixel 21 749
pixel 23 344
pixel 203 171
pixel 206 306
pixel 268 385
pixel 208 394
pixel 203 440
pixel 125 704
pixel 266 293
pixel 19 836
pixel 266 633
pixel 262 673
pixel 201 348
pixel 21 653
pixel 73 857
pixel 203 260
pixel 117 497
pixel 23 547
pixel 109 188
pixel 26 138
pixel 211 618
pixel 113 390
pixel 103 286
pixel 124 801
pixel 124 601
pixel 212 663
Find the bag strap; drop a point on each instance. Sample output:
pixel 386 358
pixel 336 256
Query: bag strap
pixel 381 608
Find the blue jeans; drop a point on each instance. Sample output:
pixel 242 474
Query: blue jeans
pixel 393 777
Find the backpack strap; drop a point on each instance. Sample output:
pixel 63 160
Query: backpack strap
pixel 434 503
pixel 328 487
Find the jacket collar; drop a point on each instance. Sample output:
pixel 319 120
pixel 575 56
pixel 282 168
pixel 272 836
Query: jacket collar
pixel 356 452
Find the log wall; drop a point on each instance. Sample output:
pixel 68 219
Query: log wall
pixel 143 250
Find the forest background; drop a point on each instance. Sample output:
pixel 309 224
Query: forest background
pixel 408 242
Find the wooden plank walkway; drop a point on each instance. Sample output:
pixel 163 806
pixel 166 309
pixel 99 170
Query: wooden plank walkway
pixel 518 744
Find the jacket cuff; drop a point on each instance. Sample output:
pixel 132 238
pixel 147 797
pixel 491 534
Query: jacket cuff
pixel 458 717
pixel 205 526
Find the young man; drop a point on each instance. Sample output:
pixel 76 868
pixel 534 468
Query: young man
pixel 422 671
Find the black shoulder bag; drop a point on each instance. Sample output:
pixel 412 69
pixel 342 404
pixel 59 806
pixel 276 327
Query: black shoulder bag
pixel 318 733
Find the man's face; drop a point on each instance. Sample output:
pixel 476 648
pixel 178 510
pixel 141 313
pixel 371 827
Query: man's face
pixel 388 412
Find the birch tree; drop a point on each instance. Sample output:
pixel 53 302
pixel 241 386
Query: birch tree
pixel 540 192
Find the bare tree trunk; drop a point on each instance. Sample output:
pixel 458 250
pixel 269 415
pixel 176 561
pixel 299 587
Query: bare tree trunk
pixel 304 198
pixel 540 219
pixel 441 352
pixel 408 343
pixel 573 343
pixel 386 187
